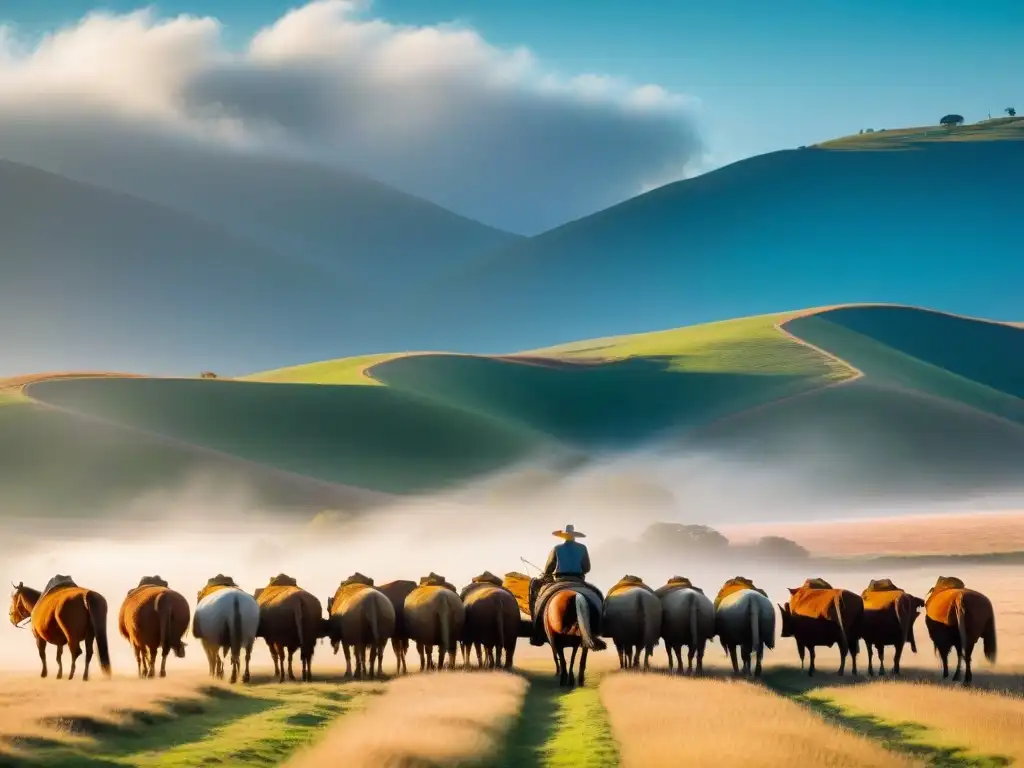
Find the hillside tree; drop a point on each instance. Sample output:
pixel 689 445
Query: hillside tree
pixel 780 548
pixel 951 121
pixel 678 537
pixel 1011 111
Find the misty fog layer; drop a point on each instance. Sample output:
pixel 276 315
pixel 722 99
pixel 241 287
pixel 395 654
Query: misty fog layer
pixel 187 536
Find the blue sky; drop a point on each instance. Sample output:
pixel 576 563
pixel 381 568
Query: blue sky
pixel 769 75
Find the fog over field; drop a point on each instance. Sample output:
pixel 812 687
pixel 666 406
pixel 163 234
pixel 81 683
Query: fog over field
pixel 189 534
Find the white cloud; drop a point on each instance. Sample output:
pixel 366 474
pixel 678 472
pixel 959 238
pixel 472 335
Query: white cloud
pixel 434 110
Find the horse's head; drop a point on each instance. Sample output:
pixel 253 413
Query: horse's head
pixel 20 609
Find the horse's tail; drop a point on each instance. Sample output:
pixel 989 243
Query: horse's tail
pixel 693 621
pixel 590 641
pixel 298 624
pixel 755 626
pixel 988 638
pixel 96 607
pixel 373 619
pixel 641 620
pixel 905 620
pixel 501 628
pixel 163 614
pixel 235 629
pixel 444 621
pixel 837 601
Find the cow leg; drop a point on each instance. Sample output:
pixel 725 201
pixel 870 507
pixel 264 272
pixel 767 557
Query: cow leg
pixel 896 657
pixel 291 664
pixel 60 663
pixel 843 650
pixel 956 674
pixel 735 663
pixel 759 651
pixel 871 655
pixel 881 659
pixel 163 661
pixel 636 655
pixel 478 647
pixel 668 651
pixel 745 650
pixel 346 648
pixel 701 644
pixel 854 648
pixel 810 656
pixel 691 651
pixel 419 649
pixel 152 661
pixel 88 657
pixel 944 658
pixel 800 649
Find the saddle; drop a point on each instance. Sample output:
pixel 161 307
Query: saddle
pixel 436 580
pixel 149 581
pixel 220 580
pixel 816 584
pixel 674 584
pixel 485 579
pixel 542 591
pixel 628 581
pixel 357 578
pixel 57 582
pixel 736 584
pixel 282 580
pixel 882 585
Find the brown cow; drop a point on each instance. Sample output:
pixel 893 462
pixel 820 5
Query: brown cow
pixel 360 616
pixel 817 614
pixel 492 621
pixel 889 616
pixel 153 618
pixel 434 615
pixel 958 617
pixel 64 614
pixel 290 619
pixel 396 592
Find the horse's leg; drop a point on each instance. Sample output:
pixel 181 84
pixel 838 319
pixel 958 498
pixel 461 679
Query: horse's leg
pixel 291 664
pixel 152 662
pixel 700 657
pixel 668 652
pixel 248 657
pixel 361 650
pixel 956 674
pixel 572 660
pixel 881 660
pixel 583 666
pixel 968 652
pixel 843 650
pixel 691 651
pixel 478 647
pixel 758 659
pixel 871 654
pixel 76 651
pixel 636 649
pixel 419 649
pixel 735 663
pixel 41 647
pixel 563 670
pixel 944 658
pixel 810 654
pixel 163 660
pixel 60 662
pixel 348 658
pixel 745 650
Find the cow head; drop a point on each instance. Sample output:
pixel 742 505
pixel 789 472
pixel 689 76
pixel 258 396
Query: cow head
pixel 787 620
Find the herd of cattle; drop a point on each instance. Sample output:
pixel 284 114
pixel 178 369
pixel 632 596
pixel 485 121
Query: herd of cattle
pixel 487 617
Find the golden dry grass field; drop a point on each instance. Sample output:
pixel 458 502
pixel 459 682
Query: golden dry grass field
pixel 496 719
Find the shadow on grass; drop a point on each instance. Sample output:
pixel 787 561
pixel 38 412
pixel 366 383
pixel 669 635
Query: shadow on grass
pixel 180 722
pixel 902 737
pixel 790 680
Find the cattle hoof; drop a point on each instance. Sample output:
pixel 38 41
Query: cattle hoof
pixel 43 673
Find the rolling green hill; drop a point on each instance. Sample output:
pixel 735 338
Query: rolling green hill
pixel 877 398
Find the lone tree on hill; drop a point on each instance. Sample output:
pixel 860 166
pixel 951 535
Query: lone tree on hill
pixel 1010 111
pixel 951 121
pixel 780 548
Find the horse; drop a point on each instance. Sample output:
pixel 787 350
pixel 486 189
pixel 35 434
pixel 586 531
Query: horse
pixel 570 621
pixel 64 614
pixel 226 618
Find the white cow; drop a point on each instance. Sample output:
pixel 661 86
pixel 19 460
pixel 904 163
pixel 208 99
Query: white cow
pixel 226 618
pixel 744 617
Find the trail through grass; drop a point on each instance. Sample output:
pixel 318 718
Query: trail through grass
pixel 258 726
pixel 560 727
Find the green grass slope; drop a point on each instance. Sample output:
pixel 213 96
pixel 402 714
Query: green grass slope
pixel 878 396
pixel 55 464
pixel 373 437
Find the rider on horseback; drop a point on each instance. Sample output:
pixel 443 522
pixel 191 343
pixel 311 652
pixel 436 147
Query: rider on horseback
pixel 568 561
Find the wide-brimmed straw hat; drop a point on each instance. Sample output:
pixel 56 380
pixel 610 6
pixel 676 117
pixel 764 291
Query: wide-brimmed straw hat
pixel 570 532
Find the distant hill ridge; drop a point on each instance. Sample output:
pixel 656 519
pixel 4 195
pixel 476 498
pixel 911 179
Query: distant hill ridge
pixel 893 399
